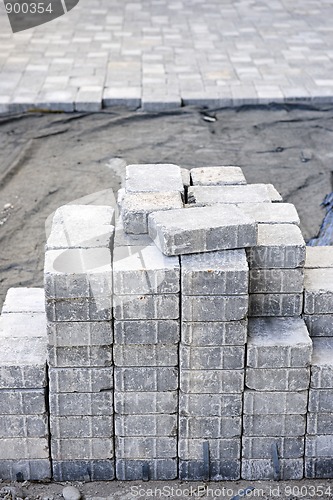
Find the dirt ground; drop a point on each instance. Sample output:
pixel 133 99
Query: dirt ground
pixel 47 160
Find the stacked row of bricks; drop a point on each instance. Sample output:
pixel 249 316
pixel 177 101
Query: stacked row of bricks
pixel 78 287
pixel 318 307
pixel 146 286
pixel 24 434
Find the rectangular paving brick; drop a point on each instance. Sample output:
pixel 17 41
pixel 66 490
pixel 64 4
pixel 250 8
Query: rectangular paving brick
pixel 271 213
pixel 319 257
pixel 122 239
pixel 81 426
pixel 319 446
pixel 319 423
pixel 146 403
pixel 83 470
pixel 146 447
pixel 319 325
pixel 153 332
pixel 87 404
pixel 23 325
pixel 195 427
pixel 276 280
pixel 146 425
pixel 217 176
pixel 214 333
pixel 270 403
pixel 24 448
pixel 322 363
pixel 82 448
pixel 275 304
pixel 318 291
pixel 27 469
pixel 144 270
pixel 262 469
pixel 212 358
pixel 212 381
pixel 79 333
pixel 319 468
pixel 226 470
pixel 146 355
pixel 80 379
pixel 153 177
pixel 23 402
pixel 163 306
pixel 146 379
pixel 273 425
pixel 278 342
pixel 80 309
pixel 277 379
pixel 23 426
pixel 261 447
pixel 136 207
pixel 24 300
pixel 80 356
pixel 158 469
pixel 210 405
pixel 219 449
pixel 214 308
pixel 212 195
pixel 201 229
pixel 215 273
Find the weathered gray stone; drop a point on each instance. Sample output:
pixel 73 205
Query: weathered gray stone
pixel 275 304
pixel 79 333
pixel 24 300
pixel 278 342
pixel 279 246
pixel 318 291
pixel 146 379
pixel 21 448
pixel 319 446
pixel 196 470
pixel 144 270
pixel 158 469
pixel 30 426
pixel 319 468
pixel 80 470
pixel 215 273
pixel 319 257
pixel 277 379
pixel 219 449
pixel 146 332
pixel 212 358
pixel 71 493
pixel 146 403
pixel 212 381
pixel 273 425
pixel 271 403
pixel 153 177
pixel 137 206
pixel 319 423
pixel 319 325
pixel 82 448
pixel 23 325
pixel 81 226
pixel 214 333
pixel 201 229
pixel 186 176
pixel 320 400
pixel 164 306
pixel 80 426
pixel 28 470
pixel 261 447
pixel 212 195
pixel 80 309
pixel 271 213
pixel 79 356
pixel 322 363
pixel 146 425
pixel 214 308
pixel 263 469
pixel 122 239
pixel 276 280
pixel 75 273
pixel 210 405
pixel 195 427
pixel 22 402
pixel 145 355
pixel 80 379
pixel 87 404
pixel 217 176
pixel 146 447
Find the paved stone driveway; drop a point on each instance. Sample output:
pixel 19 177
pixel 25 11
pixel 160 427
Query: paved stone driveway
pixel 166 53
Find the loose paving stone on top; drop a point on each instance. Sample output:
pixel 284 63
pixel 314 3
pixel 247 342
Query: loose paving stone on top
pixel 212 195
pixel 217 176
pixel 271 213
pixel 201 229
pixel 318 291
pixel 319 257
pixel 154 177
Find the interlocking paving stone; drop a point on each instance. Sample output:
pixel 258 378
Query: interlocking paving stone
pixel 147 355
pixel 81 426
pixel 79 333
pixel 134 447
pixel 318 291
pixel 158 469
pixel 80 379
pixel 219 449
pixel 276 280
pixel 146 403
pixel 319 257
pixel 274 425
pixel 271 213
pixel 146 425
pixel 271 403
pixel 322 364
pixel 275 304
pixel 153 178
pixel 24 300
pixel 82 448
pixel 217 176
pixel 28 470
pixel 195 427
pixel 210 405
pixel 81 470
pixel 277 379
pixel 214 308
pixel 212 358
pixel 152 332
pixel 261 469
pixel 219 470
pixel 319 325
pixel 212 195
pixel 260 447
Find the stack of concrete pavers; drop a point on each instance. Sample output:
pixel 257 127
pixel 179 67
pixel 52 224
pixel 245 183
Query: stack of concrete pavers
pixel 275 399
pixel 78 288
pixel 318 308
pixel 212 350
pixel 24 434
pixel 146 286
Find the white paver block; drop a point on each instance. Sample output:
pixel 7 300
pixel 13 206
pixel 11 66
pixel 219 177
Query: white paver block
pixel 153 178
pixel 212 195
pixel 217 176
pixel 318 291
pixel 24 300
pixel 319 257
pixel 271 213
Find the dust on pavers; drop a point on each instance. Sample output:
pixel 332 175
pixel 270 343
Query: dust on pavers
pixel 153 177
pixel 319 257
pixel 142 332
pixel 215 273
pixel 212 357
pixel 144 270
pixel 278 342
pixel 268 426
pixel 80 379
pixel 217 176
pixel 319 325
pixel 212 195
pixel 279 246
pixel 81 226
pixel 271 213
pixel 209 427
pixel 81 426
pixel 201 229
pixel 276 280
pixel 318 291
pixel 261 469
pixel 24 300
pixel 136 206
pixel 275 304
pixel 276 402
pixel 214 333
